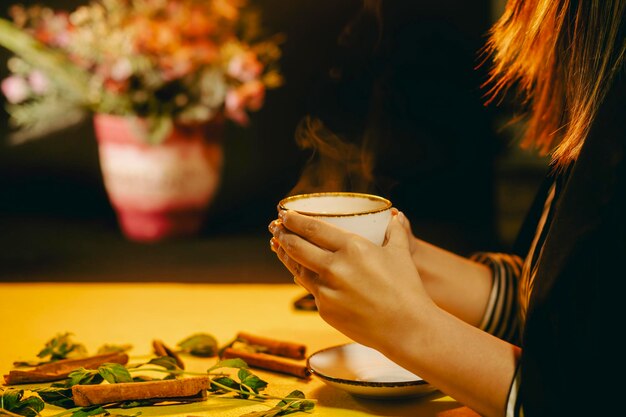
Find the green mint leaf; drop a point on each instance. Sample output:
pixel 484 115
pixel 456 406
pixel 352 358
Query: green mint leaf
pixel 7 413
pixel 199 344
pixel 143 378
pixel 82 376
pixel 10 398
pixel 250 384
pixel 248 379
pixel 30 407
pixel 93 410
pixel 293 403
pixel 150 402
pixel 226 381
pixel 229 363
pixel 166 362
pixel 62 347
pixel 295 394
pixel 136 403
pixel 61 397
pixel 96 410
pixel 13 400
pixel 114 373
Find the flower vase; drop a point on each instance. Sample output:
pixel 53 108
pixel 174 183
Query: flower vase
pixel 159 191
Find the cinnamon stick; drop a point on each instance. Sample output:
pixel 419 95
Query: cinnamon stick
pixel 57 370
pixel 161 349
pixel 274 347
pixel 85 395
pixel 268 362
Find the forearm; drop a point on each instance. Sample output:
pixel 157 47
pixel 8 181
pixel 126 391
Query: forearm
pixel 456 284
pixel 462 361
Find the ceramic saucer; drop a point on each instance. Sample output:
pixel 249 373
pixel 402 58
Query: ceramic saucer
pixel 365 372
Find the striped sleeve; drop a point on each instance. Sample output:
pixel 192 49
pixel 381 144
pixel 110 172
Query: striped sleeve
pixel 501 318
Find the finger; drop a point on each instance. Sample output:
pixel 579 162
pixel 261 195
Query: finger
pixel 297 248
pixel 302 276
pixel 319 232
pixel 405 222
pixel 403 219
pixel 396 235
pixel 293 267
pixel 274 225
pixel 302 251
pixel 308 281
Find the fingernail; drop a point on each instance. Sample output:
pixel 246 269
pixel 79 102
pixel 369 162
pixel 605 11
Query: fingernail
pixel 401 218
pixel 281 215
pixel 274 244
pixel 273 226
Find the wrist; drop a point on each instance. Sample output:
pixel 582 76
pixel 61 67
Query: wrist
pixel 412 332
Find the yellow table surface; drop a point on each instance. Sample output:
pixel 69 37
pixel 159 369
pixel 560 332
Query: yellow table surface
pixel 97 314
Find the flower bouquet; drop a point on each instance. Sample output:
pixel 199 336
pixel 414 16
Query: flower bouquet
pixel 151 72
pixel 165 61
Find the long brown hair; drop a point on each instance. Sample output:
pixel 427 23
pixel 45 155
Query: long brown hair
pixel 561 56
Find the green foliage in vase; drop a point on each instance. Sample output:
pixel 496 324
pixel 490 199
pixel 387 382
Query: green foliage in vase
pixel 165 61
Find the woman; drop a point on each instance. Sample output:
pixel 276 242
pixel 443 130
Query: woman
pixel 532 332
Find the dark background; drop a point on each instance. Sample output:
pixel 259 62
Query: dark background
pixel 439 156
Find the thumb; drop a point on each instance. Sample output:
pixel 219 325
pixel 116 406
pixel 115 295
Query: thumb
pixel 396 235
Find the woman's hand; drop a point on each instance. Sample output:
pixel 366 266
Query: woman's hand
pixel 413 241
pixel 375 295
pixel 360 288
pixel 457 284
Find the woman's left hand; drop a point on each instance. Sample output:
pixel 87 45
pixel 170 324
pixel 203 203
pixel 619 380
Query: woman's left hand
pixel 360 288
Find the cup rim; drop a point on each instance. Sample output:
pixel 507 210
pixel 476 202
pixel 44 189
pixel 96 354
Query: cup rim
pixel 286 200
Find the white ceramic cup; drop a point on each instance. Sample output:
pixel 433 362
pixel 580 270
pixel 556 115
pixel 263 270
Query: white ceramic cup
pixel 363 214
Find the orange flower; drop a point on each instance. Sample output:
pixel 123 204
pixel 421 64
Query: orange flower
pixel 198 24
pixel 245 66
pixel 175 59
pixel 248 96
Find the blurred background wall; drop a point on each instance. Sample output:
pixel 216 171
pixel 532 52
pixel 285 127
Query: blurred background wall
pixel 440 155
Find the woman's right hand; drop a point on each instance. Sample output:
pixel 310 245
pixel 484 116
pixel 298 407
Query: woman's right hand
pixel 351 277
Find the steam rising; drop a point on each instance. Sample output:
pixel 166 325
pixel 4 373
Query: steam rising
pixel 335 164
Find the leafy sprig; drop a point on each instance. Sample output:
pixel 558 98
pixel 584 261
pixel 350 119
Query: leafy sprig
pixel 293 403
pixel 245 384
pixel 15 401
pixel 94 410
pixel 114 373
pixel 110 372
pixel 199 344
pixel 248 384
pixel 59 347
pixel 59 396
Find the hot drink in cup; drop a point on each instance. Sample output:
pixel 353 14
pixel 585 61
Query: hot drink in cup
pixel 363 214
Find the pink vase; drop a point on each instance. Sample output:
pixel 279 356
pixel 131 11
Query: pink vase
pixel 159 191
